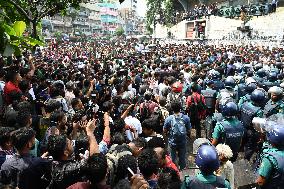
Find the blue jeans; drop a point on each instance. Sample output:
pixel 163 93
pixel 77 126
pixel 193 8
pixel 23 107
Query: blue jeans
pixel 181 150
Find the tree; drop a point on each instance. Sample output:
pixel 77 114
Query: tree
pixel 159 11
pixel 12 39
pixel 119 31
pixel 32 11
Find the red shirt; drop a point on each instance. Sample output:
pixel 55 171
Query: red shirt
pixel 171 164
pixel 9 87
pixel 196 98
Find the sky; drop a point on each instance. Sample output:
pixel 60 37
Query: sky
pixel 141 6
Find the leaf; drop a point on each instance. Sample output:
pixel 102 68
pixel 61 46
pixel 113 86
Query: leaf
pixel 9 51
pixel 33 42
pixel 9 30
pixel 19 27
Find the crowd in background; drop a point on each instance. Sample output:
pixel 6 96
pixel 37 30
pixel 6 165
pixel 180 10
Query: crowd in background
pixel 110 114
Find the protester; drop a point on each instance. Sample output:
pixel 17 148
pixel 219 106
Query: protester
pixel 103 115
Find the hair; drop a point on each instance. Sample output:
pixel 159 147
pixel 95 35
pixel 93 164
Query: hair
pixel 21 137
pixel 122 184
pixel 169 179
pixel 194 87
pixel 119 125
pixel 56 117
pixel 148 124
pixel 23 118
pixel 56 146
pixel 118 138
pixel 155 142
pixel 148 163
pixel 75 102
pixel 123 163
pixel 52 105
pixel 96 168
pixel 163 101
pixel 5 135
pixel 225 150
pixel 176 106
pixel 140 142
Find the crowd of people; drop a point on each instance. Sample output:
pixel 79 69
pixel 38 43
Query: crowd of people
pixel 201 11
pixel 110 114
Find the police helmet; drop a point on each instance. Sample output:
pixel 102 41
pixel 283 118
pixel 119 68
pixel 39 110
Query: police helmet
pixel 230 82
pixel 257 96
pixel 230 109
pixel 251 87
pixel 276 90
pixel 207 159
pixel 276 135
pixel 261 73
pixel 272 76
pixel 177 87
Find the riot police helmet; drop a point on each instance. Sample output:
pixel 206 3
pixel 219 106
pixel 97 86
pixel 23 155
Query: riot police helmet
pixel 257 96
pixel 276 135
pixel 261 73
pixel 250 87
pixel 207 159
pixel 230 109
pixel 272 76
pixel 230 82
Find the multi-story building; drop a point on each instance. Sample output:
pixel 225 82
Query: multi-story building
pixel 57 23
pixel 94 17
pixel 109 16
pixel 81 22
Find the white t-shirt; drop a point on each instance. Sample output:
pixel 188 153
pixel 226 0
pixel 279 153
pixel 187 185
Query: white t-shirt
pixel 133 122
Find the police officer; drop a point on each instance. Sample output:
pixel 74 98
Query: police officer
pixel 271 171
pixel 275 104
pixel 249 89
pixel 218 84
pixel 271 81
pixel 210 96
pixel 249 110
pixel 228 93
pixel 230 130
pixel 260 75
pixel 207 161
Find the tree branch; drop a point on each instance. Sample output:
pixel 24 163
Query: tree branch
pixel 47 12
pixel 20 9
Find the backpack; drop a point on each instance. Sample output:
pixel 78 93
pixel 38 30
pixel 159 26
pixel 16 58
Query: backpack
pixel 178 129
pixel 115 152
pixel 196 108
pixel 145 111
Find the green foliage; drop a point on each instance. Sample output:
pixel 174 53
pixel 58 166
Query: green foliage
pixel 156 13
pixel 119 31
pixel 13 40
pixel 33 11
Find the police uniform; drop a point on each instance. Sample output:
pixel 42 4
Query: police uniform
pixel 218 85
pixel 272 108
pixel 201 181
pixel 248 112
pixel 272 168
pixel 244 99
pixel 210 96
pixel 229 131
